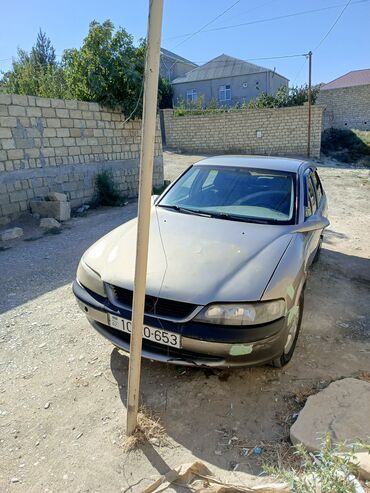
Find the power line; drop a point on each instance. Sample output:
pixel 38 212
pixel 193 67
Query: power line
pixel 269 19
pixel 332 27
pixel 252 9
pixel 254 59
pixel 299 71
pixel 208 23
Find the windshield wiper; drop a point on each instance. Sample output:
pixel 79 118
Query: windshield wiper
pixel 233 217
pixel 178 208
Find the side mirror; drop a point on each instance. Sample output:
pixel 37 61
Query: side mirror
pixel 154 198
pixel 313 223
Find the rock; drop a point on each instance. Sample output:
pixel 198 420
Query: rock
pixel 58 197
pixel 340 410
pixel 58 210
pixel 47 405
pixel 48 223
pixel 362 459
pixel 11 234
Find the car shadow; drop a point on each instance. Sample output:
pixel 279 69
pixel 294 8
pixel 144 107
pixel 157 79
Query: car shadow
pixel 218 414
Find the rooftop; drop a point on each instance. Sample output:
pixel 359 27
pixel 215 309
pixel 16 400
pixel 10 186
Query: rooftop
pixel 220 67
pixel 260 162
pixel 172 55
pixel 352 79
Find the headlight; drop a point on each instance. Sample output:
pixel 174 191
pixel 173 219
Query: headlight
pixel 90 279
pixel 242 313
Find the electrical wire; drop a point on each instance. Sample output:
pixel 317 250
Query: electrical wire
pixel 334 24
pixel 208 23
pixel 299 71
pixel 269 19
pixel 279 57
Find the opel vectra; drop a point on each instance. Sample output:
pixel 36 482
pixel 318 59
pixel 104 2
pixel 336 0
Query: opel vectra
pixel 231 242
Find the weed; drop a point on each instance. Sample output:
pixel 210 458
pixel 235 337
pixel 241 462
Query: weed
pixel 333 469
pixel 52 231
pixel 106 191
pixel 348 146
pixel 159 190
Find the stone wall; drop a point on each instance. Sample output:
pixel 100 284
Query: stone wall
pixel 55 145
pixel 277 131
pixel 347 107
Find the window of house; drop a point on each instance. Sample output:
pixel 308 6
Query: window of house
pixel 224 93
pixel 191 95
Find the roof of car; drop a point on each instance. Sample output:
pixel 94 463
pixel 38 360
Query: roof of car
pixel 262 162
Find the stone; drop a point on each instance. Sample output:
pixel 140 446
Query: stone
pixel 58 197
pixel 340 410
pixel 362 460
pixel 48 208
pixel 4 220
pixel 48 223
pixel 11 234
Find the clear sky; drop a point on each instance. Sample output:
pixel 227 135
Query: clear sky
pixel 346 48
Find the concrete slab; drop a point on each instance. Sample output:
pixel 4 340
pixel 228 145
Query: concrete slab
pixel 342 409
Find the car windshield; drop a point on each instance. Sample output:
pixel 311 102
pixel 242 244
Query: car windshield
pixel 236 193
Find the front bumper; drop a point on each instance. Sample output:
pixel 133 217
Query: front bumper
pixel 202 344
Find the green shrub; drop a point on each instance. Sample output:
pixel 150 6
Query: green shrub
pixel 106 192
pixel 346 145
pixel 332 470
pixel 159 190
pixel 292 96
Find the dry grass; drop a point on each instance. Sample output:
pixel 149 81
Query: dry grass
pixel 364 375
pixel 149 429
pixel 281 455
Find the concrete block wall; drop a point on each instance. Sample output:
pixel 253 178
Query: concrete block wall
pixel 60 145
pixel 347 107
pixel 267 131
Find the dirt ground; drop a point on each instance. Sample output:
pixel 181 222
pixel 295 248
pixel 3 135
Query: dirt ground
pixel 63 387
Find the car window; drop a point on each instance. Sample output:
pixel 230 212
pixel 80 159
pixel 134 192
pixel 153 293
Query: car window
pixel 317 185
pixel 307 201
pixel 310 204
pixel 186 183
pixel 210 179
pixel 238 192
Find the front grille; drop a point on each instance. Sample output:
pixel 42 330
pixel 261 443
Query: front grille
pixel 155 306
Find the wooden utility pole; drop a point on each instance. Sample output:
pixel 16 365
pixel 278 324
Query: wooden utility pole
pixel 309 104
pixel 145 191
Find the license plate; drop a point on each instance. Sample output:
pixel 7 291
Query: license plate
pixel 150 333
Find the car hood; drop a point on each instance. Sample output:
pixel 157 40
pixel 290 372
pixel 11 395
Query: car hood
pixel 194 259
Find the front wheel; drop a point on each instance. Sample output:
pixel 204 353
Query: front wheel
pixel 318 251
pixel 294 321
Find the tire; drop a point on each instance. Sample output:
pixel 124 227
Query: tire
pixel 318 251
pixel 289 348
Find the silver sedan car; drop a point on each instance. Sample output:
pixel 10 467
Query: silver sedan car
pixel 231 242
